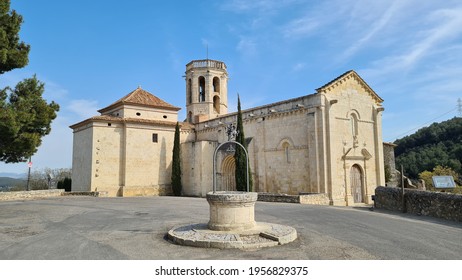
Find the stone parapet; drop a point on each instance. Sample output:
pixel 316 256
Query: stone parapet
pixel 95 194
pixel 30 194
pixel 303 198
pixel 435 204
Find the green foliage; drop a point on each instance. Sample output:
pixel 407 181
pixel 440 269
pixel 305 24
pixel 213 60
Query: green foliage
pixel 25 117
pixel 239 155
pixel 439 144
pixel 437 171
pixel 176 163
pixel 65 184
pixel 13 53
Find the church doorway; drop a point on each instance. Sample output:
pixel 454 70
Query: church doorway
pixel 356 179
pixel 228 169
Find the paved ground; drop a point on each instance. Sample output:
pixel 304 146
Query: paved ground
pixel 135 228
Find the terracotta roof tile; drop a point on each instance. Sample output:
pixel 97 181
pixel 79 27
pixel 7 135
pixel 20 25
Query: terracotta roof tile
pixel 143 98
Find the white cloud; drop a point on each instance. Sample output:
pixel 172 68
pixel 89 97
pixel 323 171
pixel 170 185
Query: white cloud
pixel 83 108
pixel 54 91
pixel 302 27
pixel 240 6
pixel 376 26
pixel 247 46
pixel 298 66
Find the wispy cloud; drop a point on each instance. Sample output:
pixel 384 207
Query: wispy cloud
pixel 83 108
pixel 247 46
pixel 240 6
pixel 298 66
pixel 441 26
pixel 301 27
pixel 448 26
pixel 377 26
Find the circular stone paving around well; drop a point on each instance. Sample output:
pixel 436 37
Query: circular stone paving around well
pixel 262 235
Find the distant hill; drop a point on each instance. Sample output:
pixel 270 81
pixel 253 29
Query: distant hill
pixel 13 175
pixel 437 144
pixel 7 182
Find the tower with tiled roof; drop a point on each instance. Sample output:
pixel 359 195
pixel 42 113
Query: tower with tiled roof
pixel 126 151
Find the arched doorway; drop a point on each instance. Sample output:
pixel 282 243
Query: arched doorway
pixel 228 169
pixel 356 181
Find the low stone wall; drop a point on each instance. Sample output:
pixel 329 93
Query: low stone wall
pixel 95 194
pixel 146 190
pixel 30 194
pixel 304 198
pixel 314 198
pixel 435 204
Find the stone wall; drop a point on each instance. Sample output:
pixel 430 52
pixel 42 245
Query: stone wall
pixel 315 198
pixel 30 194
pixel 435 204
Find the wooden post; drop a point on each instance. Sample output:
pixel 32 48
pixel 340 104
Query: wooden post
pixel 402 190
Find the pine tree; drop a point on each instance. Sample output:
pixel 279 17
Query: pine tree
pixel 239 156
pixel 25 117
pixel 176 163
pixel 13 53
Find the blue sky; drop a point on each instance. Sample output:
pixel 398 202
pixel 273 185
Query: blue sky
pixel 91 53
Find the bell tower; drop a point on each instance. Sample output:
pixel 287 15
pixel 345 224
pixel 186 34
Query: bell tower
pixel 206 90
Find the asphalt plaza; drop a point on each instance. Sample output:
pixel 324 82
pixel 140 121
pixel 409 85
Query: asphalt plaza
pixel 87 228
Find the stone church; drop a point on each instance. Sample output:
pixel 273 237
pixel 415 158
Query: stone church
pixel 328 143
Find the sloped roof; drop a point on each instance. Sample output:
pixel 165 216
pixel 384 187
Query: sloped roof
pixel 345 76
pixel 141 97
pixel 107 118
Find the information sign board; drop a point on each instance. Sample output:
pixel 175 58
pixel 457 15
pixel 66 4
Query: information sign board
pixel 443 182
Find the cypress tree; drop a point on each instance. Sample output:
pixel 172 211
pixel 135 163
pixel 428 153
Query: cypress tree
pixel 176 163
pixel 239 155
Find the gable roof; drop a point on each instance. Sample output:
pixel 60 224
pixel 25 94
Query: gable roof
pixel 140 97
pixel 345 76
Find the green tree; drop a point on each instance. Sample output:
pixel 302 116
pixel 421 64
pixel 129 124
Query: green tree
pixel 239 155
pixel 65 184
pixel 25 117
pixel 13 53
pixel 176 163
pixel 438 144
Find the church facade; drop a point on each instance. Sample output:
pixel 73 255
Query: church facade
pixel 328 142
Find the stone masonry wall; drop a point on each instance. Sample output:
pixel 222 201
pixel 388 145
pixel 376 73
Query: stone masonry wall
pixel 435 204
pixel 314 199
pixel 30 194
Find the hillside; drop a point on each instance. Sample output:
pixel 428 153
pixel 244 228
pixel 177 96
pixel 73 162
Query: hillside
pixel 10 182
pixel 437 144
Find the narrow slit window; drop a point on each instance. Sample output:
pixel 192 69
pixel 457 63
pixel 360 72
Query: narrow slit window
pixel 154 138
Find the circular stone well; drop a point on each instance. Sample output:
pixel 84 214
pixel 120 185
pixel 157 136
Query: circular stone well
pixel 232 225
pixel 231 211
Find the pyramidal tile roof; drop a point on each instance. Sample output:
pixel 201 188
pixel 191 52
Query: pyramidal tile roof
pixel 143 98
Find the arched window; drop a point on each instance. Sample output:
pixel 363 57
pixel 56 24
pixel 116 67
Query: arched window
pixel 285 148
pixel 216 84
pixel 189 91
pixel 354 129
pixel 354 124
pixel 201 89
pixel 216 104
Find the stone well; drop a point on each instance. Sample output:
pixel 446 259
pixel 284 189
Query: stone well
pixel 232 211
